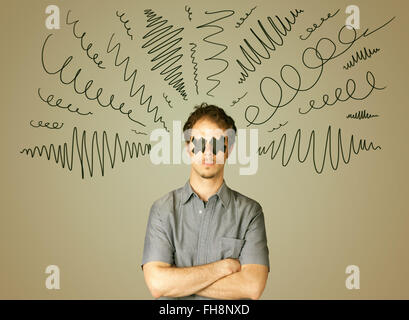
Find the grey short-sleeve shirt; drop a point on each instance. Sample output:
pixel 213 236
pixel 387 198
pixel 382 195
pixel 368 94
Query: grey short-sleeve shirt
pixel 185 231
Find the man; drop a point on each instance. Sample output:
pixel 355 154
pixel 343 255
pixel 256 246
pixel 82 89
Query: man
pixel 205 240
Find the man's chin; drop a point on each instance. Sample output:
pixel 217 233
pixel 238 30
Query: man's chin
pixel 205 176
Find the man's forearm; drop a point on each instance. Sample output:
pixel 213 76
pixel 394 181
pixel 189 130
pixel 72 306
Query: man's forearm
pixel 178 282
pixel 249 283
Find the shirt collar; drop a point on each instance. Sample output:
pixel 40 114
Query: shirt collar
pixel 223 193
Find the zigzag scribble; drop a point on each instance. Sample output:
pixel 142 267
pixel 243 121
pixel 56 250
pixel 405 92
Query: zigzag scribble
pixel 66 157
pixel 161 38
pixel 214 57
pixel 362 146
pixel 193 49
pixel 361 115
pixel 358 56
pixel 132 76
pixel 267 48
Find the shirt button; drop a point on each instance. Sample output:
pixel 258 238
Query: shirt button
pixel 200 211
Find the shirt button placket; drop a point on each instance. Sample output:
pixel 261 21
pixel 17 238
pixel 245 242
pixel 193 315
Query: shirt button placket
pixel 201 258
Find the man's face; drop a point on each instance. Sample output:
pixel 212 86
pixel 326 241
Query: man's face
pixel 208 136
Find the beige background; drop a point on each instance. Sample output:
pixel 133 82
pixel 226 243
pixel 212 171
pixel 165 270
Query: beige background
pixel 93 228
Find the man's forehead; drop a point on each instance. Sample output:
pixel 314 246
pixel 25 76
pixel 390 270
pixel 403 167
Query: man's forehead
pixel 207 132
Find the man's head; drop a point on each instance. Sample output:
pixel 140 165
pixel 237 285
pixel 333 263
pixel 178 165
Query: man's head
pixel 209 135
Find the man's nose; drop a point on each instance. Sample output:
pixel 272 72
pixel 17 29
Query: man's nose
pixel 208 149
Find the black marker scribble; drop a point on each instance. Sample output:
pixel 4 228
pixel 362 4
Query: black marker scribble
pixel 281 125
pixel 350 88
pixel 267 48
pixel 61 154
pixel 312 143
pixel 81 37
pixel 238 99
pixel 193 49
pixel 140 132
pixel 361 115
pixel 168 101
pixel 189 12
pixel 214 57
pixel 124 24
pixel 87 86
pixel 55 125
pixel 161 39
pixel 132 76
pixel 360 56
pixel 50 98
pixel 324 51
pixel 241 21
pixel 311 30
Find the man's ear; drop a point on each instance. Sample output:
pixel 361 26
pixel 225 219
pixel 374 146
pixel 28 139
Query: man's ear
pixel 187 147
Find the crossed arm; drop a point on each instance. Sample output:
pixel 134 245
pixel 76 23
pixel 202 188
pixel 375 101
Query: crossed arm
pixel 224 279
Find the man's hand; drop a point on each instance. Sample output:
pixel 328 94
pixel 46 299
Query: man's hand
pixel 232 265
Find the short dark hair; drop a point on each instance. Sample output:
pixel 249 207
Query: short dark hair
pixel 212 113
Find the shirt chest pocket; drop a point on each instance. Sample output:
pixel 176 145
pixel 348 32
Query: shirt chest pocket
pixel 230 247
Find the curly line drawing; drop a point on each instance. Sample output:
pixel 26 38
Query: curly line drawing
pixel 65 157
pixel 214 57
pixel 243 19
pixel 238 99
pixel 163 42
pixel 124 23
pixel 189 12
pixel 139 132
pixel 328 149
pixel 167 100
pixel 40 124
pixel 58 103
pixel 193 49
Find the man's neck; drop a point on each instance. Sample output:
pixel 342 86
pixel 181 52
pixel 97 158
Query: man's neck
pixel 205 188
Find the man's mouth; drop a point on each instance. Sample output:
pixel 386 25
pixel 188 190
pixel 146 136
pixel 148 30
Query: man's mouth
pixel 208 161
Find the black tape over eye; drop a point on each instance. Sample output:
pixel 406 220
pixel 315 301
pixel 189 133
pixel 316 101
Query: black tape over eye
pixel 199 145
pixel 216 144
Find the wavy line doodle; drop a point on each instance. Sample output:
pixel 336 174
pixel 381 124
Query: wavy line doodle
pixel 238 99
pixel 210 24
pixel 267 48
pixel 50 98
pixel 63 156
pixel 55 125
pixel 163 46
pixel 132 76
pixel 139 132
pixel 167 100
pixel 189 12
pixel 281 125
pixel 241 21
pixel 361 115
pixel 87 86
pixel 358 56
pixel 328 149
pixel 315 26
pixel 81 37
pixel 124 24
pixel 193 50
